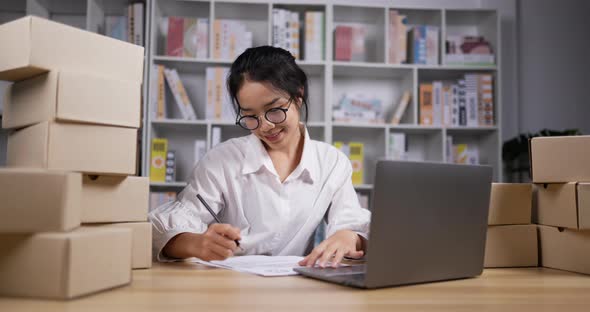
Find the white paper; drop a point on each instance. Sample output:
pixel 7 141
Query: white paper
pixel 259 265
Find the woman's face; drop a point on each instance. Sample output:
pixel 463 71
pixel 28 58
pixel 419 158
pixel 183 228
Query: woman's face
pixel 255 99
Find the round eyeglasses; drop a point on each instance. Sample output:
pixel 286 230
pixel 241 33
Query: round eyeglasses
pixel 275 115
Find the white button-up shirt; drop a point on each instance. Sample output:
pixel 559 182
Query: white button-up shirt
pixel 238 180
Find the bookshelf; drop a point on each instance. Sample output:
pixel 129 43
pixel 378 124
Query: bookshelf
pixel 330 79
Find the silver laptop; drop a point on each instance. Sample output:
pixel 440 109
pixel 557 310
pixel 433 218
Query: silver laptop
pixel 428 224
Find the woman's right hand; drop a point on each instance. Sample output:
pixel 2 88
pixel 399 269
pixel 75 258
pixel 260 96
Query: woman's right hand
pixel 217 243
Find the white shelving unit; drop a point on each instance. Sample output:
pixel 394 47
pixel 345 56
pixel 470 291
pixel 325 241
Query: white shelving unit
pixel 329 79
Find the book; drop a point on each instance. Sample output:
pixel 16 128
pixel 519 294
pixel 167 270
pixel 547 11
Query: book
pixel 175 36
pixel 471 99
pixel 401 108
pixel 180 96
pixel 426 112
pixel 343 47
pixel 158 92
pixel 202 38
pixel 170 166
pixel 437 105
pixel 397 37
pixel 397 146
pixel 431 45
pixel 159 150
pixel 314 36
pixel 218 102
pixel 138 16
pixel 462 103
pixel 447 102
pixel 468 50
pixel 486 100
pixel 356 157
pixel 189 37
pixel 359 107
pixel 455 104
pixel 230 39
pixel 450 151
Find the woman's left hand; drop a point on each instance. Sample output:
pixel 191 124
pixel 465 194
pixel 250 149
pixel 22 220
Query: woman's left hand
pixel 340 244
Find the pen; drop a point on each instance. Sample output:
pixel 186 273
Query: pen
pixel 213 213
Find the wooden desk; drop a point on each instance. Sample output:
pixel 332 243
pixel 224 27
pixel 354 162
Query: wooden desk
pixel 195 288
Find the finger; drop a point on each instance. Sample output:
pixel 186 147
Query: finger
pixel 314 255
pixel 355 254
pixel 327 255
pixel 226 230
pixel 338 258
pixel 211 245
pixel 223 241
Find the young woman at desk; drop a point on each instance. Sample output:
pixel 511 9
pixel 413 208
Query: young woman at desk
pixel 270 189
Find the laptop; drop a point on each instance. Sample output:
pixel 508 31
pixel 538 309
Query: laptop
pixel 428 223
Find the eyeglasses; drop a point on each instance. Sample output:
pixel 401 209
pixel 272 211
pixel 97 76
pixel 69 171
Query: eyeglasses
pixel 275 115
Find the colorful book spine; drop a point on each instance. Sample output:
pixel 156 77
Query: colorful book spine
pixel 486 98
pixel 437 105
pixel 159 150
pixel 175 37
pixel 180 95
pixel 426 111
pixel 357 156
pixel 432 49
pixel 202 38
pixel 314 36
pixel 447 96
pixel 462 103
pixel 455 105
pixel 161 93
pixel 138 23
pixel 471 98
pixel 343 50
pixel 401 108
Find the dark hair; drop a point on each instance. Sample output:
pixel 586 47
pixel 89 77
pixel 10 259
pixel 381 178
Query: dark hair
pixel 272 65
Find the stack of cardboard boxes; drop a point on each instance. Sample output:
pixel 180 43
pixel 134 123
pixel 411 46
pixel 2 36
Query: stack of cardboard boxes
pixel 511 238
pixel 72 215
pixel 561 173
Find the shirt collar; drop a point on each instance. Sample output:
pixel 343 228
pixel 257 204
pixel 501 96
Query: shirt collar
pixel 256 158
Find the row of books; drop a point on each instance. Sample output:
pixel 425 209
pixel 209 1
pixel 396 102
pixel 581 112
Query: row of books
pixel 355 152
pixel 217 100
pixel 423 45
pixel 129 26
pixel 350 42
pixel 286 33
pixel 230 39
pixel 187 37
pixel 159 79
pixel 163 160
pixel 463 153
pixel 358 107
pixel 466 102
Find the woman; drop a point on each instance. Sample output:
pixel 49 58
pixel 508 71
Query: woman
pixel 270 189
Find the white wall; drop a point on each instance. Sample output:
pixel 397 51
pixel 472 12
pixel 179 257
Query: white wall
pixel 554 64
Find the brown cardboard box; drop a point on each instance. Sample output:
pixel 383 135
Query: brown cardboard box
pixel 565 249
pixel 73 96
pixel 64 265
pixel 511 246
pixel 510 203
pixel 37 200
pixel 35 45
pixel 114 199
pixel 560 159
pixel 141 255
pixel 564 205
pixel 74 147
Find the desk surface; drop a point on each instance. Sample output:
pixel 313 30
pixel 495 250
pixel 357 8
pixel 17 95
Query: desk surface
pixel 195 288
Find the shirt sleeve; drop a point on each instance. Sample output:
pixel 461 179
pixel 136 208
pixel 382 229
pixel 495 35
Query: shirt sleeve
pixel 345 212
pixel 187 214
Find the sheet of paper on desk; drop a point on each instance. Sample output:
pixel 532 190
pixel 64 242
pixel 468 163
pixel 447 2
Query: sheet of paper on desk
pixel 260 265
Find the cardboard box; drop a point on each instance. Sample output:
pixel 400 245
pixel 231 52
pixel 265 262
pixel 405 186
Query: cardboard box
pixel 141 250
pixel 564 205
pixel 73 96
pixel 74 147
pixel 565 249
pixel 510 203
pixel 64 265
pixel 36 200
pixel 37 45
pixel 114 199
pixel 560 159
pixel 511 246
